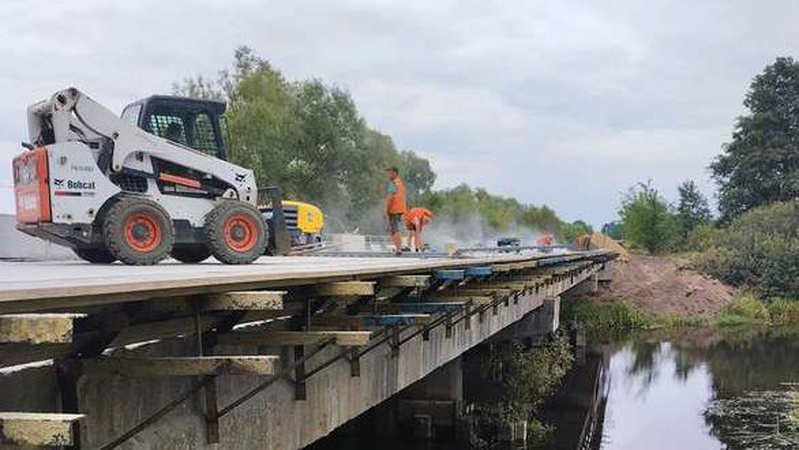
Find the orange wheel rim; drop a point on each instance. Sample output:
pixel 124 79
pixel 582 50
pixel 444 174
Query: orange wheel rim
pixel 142 232
pixel 241 233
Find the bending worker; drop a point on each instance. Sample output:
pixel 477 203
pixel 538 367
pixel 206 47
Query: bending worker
pixel 395 207
pixel 415 220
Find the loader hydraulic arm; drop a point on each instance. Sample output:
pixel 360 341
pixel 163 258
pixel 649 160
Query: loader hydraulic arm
pixel 71 115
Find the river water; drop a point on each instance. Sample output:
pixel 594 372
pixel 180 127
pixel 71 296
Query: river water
pixel 691 389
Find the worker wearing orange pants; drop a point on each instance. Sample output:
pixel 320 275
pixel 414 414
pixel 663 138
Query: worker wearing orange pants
pixel 415 221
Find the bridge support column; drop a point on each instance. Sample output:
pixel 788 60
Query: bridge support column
pixel 587 287
pixel 431 408
pixel 536 324
pixel 605 273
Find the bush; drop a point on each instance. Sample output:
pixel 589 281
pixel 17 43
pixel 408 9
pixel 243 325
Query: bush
pixel 617 315
pixel 783 311
pixel 701 238
pixel 759 250
pixel 746 309
pixel 647 219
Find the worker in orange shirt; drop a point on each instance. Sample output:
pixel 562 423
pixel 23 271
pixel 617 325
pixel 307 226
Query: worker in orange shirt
pixel 415 220
pixel 545 241
pixel 395 207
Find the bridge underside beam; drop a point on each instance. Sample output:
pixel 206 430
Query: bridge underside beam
pixel 245 300
pixel 37 429
pixel 405 281
pixel 37 328
pixel 346 289
pixel 289 338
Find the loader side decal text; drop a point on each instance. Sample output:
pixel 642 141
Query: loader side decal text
pixel 75 188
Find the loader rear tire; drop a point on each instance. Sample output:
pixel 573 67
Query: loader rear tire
pixel 236 232
pixel 138 231
pixel 190 254
pixel 95 255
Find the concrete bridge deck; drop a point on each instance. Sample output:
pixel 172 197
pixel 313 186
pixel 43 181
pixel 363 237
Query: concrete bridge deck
pixel 274 355
pixel 33 286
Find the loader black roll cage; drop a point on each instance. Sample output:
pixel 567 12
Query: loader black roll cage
pixel 192 122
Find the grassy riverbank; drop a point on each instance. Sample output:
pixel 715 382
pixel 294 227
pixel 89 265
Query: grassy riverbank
pixel 619 315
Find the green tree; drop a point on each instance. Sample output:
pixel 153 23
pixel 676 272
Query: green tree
pixel 613 230
pixel 418 175
pixel 646 219
pixel 760 165
pixel 569 232
pixel 308 137
pixel 692 210
pixel 759 250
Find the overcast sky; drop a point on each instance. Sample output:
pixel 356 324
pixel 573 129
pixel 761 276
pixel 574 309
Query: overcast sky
pixel 565 103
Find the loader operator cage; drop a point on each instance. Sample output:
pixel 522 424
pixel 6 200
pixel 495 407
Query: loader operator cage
pixel 187 121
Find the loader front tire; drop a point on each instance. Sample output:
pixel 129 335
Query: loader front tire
pixel 236 232
pixel 138 231
pixel 190 254
pixel 95 255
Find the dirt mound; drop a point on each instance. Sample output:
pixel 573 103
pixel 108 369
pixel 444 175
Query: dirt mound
pixel 662 285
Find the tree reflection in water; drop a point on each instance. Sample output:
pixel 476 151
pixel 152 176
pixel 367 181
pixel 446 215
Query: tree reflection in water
pixel 750 388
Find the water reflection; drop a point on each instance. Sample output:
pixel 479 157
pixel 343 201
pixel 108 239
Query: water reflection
pixel 654 402
pixel 695 389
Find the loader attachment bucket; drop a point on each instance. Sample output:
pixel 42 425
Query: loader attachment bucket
pixel 279 237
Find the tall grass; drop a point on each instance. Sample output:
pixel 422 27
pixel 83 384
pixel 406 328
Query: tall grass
pixel 747 309
pixel 617 315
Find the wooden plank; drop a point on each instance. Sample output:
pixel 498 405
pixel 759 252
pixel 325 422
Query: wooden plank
pixel 501 268
pixel 405 281
pixel 183 366
pixel 37 328
pixel 288 338
pixel 346 288
pixel 37 429
pixel 245 301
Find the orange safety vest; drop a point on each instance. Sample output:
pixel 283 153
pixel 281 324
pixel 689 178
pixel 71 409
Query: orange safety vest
pixel 417 213
pixel 396 197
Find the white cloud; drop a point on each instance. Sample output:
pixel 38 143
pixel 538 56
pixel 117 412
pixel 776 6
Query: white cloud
pixel 564 103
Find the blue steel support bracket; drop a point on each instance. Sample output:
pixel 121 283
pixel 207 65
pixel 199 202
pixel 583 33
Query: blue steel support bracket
pixel 479 271
pixel 392 320
pixel 449 274
pixel 429 307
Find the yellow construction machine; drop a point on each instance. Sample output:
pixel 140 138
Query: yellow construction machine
pixel 304 221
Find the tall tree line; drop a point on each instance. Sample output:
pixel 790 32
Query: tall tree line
pixel 309 138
